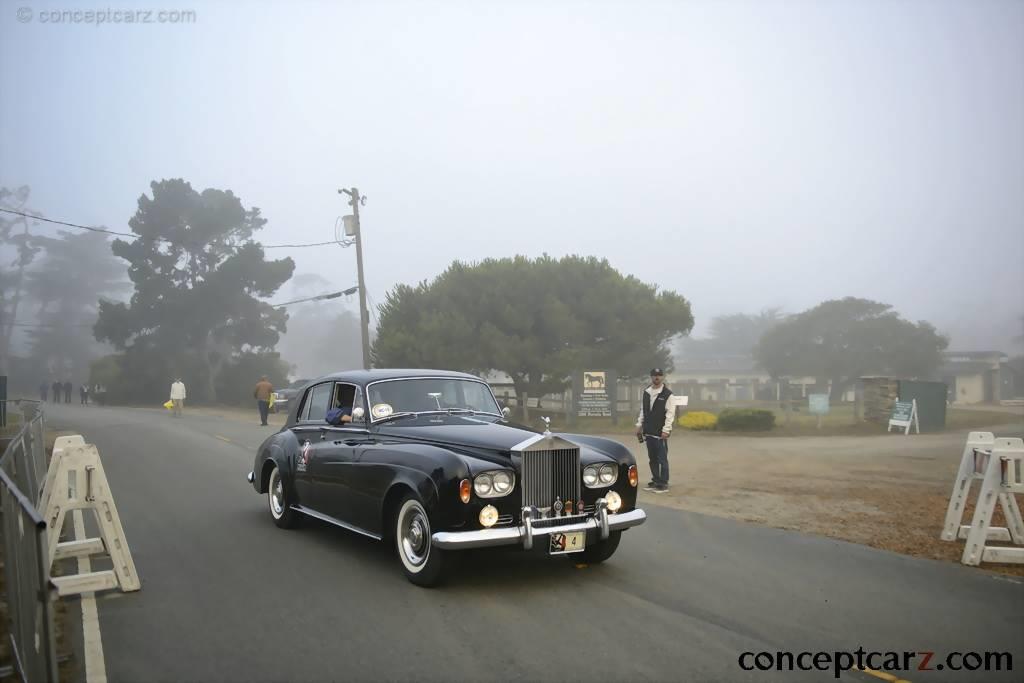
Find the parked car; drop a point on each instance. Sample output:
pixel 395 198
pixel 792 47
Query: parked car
pixel 430 464
pixel 284 397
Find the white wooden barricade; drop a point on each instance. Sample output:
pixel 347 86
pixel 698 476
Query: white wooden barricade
pixel 1002 479
pixel 75 480
pixel 972 467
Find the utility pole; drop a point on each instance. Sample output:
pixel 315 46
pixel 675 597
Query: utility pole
pixel 364 315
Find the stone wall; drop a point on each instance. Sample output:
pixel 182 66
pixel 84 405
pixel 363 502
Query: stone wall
pixel 880 393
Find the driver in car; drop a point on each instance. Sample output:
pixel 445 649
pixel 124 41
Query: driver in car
pixel 339 416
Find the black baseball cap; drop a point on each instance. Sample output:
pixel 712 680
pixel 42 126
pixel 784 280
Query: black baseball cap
pixel 657 371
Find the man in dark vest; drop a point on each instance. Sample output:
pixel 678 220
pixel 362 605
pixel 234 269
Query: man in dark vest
pixel 654 425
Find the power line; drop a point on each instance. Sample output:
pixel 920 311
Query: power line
pixel 158 239
pixel 51 324
pixel 318 297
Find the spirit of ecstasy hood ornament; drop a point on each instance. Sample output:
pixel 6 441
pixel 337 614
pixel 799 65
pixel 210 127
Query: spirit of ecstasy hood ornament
pixel 547 425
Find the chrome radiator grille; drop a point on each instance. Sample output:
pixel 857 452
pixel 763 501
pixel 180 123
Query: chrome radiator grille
pixel 550 474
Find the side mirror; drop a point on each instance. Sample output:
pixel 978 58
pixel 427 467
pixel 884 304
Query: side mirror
pixel 358 413
pixel 506 411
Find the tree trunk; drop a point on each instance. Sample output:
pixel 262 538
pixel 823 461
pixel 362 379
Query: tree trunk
pixel 838 388
pixel 519 384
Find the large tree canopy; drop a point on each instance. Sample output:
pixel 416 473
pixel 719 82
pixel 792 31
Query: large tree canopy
pixel 198 280
pixel 844 339
pixel 535 320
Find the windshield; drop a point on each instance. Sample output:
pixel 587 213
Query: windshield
pixel 430 394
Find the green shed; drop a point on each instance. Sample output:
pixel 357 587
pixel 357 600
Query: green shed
pixel 931 402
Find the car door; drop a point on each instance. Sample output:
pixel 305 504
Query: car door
pixel 333 468
pixel 335 476
pixel 311 432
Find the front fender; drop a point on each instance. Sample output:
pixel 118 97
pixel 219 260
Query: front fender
pixel 278 450
pixel 433 472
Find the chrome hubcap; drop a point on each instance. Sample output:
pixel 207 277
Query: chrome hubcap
pixel 276 495
pixel 415 534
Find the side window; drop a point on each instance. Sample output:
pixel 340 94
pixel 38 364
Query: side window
pixel 348 397
pixel 343 395
pixel 318 399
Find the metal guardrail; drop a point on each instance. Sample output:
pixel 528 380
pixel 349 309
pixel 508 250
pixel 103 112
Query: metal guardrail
pixel 30 591
pixel 25 457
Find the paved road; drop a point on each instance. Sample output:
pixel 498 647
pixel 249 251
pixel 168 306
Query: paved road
pixel 228 596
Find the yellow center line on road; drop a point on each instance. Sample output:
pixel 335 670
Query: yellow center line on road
pixel 884 676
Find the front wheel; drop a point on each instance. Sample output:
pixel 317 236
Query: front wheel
pixel 423 564
pixel 280 505
pixel 602 550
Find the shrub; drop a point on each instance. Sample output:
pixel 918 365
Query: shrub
pixel 698 420
pixel 746 420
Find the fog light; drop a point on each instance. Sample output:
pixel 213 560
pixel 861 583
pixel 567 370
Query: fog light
pixel 614 501
pixel 633 477
pixel 488 516
pixel 464 490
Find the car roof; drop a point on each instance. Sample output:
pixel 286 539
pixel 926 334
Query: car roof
pixel 368 376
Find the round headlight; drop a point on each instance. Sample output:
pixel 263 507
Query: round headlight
pixel 590 475
pixel 488 516
pixel 608 474
pixel 502 482
pixel 483 485
pixel 614 501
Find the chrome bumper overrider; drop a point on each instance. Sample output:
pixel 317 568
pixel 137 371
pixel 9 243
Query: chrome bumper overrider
pixel 601 520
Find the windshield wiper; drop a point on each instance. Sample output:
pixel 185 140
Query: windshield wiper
pixel 453 411
pixel 395 416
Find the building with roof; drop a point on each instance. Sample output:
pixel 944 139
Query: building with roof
pixel 980 377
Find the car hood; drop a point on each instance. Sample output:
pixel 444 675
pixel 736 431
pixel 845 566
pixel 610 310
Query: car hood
pixel 481 437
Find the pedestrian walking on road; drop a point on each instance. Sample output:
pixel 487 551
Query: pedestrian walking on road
pixel 56 387
pixel 83 394
pixel 44 390
pixel 654 425
pixel 262 395
pixel 67 391
pixel 178 396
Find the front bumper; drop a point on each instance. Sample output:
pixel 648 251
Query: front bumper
pixel 601 521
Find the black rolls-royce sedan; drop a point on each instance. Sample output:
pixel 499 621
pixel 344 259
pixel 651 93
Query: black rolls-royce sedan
pixel 427 461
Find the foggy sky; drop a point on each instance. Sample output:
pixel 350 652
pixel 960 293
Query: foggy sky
pixel 746 155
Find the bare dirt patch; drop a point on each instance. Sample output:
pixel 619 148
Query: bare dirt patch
pixel 888 492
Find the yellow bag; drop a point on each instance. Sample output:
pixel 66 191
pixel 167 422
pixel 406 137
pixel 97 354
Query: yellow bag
pixel 169 405
pixel 271 402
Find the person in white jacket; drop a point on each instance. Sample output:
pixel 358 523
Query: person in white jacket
pixel 654 426
pixel 178 396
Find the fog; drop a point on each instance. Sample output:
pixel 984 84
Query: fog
pixel 746 155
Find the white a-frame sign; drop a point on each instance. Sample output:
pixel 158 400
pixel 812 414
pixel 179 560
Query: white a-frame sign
pixel 904 414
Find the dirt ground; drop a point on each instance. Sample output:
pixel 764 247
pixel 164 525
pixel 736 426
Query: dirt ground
pixel 888 492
